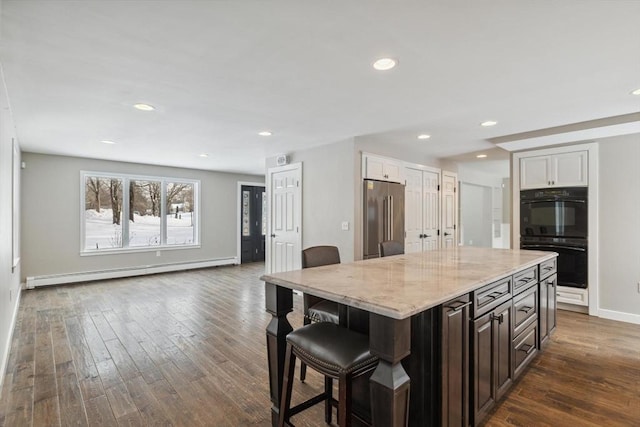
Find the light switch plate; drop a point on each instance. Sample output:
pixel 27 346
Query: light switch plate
pixel 345 225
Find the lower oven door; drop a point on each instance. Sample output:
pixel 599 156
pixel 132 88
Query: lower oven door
pixel 572 262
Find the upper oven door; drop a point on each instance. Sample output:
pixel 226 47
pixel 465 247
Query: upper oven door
pixel 553 217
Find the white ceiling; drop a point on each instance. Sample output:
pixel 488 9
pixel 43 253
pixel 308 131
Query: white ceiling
pixel 218 72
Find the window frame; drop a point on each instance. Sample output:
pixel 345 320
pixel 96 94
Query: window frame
pixel 126 180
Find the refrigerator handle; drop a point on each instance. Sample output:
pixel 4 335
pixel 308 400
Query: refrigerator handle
pixel 390 217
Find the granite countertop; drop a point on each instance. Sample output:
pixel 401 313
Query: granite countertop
pixel 403 285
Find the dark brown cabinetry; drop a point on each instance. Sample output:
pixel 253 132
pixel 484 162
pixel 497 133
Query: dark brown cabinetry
pixel 525 328
pixel 491 359
pixel 455 362
pixel 548 302
pixel 466 353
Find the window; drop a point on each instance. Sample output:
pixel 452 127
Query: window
pixel 160 212
pixel 180 230
pixel 145 199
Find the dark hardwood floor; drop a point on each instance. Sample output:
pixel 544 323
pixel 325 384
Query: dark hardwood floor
pixel 188 349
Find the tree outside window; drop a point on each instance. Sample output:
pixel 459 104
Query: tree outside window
pixel 160 212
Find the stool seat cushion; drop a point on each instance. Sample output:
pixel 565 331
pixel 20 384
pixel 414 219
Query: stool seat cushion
pixel 333 347
pixel 324 311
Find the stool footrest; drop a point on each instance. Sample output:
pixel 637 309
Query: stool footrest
pixel 308 404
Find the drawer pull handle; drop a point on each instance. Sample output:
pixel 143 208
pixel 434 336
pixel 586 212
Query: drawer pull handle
pixel 548 268
pixel 527 348
pixel 550 282
pixel 525 279
pixel 526 309
pixel 495 295
pixel 460 306
pixel 500 318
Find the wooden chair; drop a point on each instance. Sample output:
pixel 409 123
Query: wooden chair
pixel 317 309
pixel 391 247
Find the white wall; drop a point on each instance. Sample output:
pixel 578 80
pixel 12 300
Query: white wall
pixel 51 242
pixel 476 215
pixel 9 276
pixel 327 195
pixel 619 226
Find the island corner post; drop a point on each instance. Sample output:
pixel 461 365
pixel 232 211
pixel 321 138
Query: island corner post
pixel 279 303
pixel 390 340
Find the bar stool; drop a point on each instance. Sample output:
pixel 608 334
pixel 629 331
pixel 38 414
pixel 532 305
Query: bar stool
pixel 391 247
pixel 317 309
pixel 337 353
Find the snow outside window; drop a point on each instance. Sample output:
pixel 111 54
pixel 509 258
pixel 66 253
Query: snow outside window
pixel 180 230
pixel 160 212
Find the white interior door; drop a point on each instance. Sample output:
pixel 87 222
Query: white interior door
pixel 449 236
pixel 413 211
pixel 285 218
pixel 431 209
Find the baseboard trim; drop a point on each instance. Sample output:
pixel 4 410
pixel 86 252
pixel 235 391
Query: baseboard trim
pixel 7 349
pixel 86 276
pixel 620 316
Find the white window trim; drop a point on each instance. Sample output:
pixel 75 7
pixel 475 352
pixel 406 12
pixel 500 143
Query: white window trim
pixel 126 178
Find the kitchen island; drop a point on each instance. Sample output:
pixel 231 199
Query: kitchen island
pixel 463 321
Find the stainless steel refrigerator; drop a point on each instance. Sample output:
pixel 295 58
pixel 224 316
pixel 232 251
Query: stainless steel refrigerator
pixel 383 215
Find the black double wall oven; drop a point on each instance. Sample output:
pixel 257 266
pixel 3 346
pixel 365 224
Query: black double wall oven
pixel 555 219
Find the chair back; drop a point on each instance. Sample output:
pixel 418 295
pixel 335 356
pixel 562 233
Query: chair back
pixel 391 247
pixel 315 256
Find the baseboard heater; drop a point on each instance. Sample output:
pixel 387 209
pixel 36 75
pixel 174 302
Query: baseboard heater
pixel 114 273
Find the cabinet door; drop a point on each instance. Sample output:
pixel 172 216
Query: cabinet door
pixel 413 211
pixel 535 172
pixel 392 170
pixel 547 307
pixel 569 169
pixel 374 167
pixel 484 391
pixel 502 351
pixel 491 359
pixel 449 216
pixel 455 362
pixel 430 209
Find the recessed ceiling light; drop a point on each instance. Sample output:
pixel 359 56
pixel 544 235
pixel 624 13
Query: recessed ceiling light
pixel 384 64
pixel 106 141
pixel 424 136
pixel 144 107
pixel 636 92
pixel 264 133
pixel 481 156
pixel 204 155
pixel 488 123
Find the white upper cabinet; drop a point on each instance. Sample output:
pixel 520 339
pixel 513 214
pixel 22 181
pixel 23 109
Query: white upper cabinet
pixel 555 170
pixel 382 168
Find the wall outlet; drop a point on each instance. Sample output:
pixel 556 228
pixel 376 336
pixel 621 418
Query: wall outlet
pixel 158 253
pixel 345 225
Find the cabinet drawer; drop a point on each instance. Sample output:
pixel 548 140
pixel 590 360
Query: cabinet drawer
pixel 487 298
pixel 548 268
pixel 524 349
pixel 525 309
pixel 524 278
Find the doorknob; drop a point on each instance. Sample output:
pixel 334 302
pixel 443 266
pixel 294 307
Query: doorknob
pixel 447 234
pixel 273 235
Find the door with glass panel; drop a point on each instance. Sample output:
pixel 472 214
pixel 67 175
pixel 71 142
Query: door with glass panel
pixel 254 223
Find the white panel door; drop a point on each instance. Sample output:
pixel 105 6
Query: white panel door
pixel 430 210
pixel 449 236
pixel 285 213
pixel 413 214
